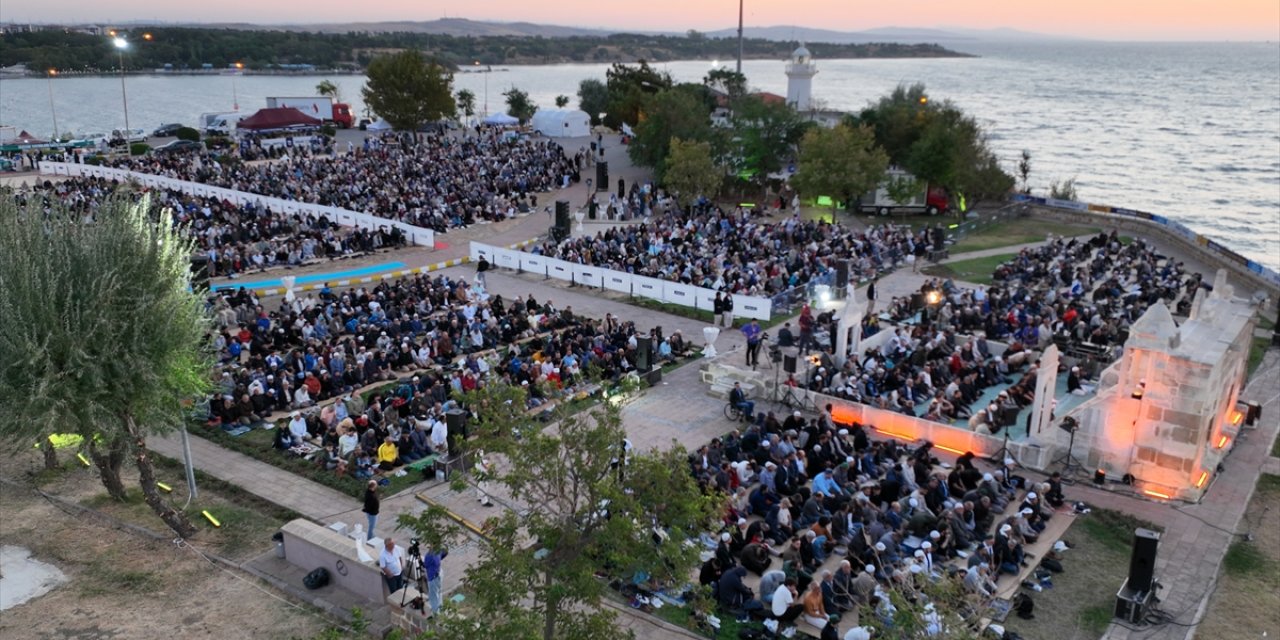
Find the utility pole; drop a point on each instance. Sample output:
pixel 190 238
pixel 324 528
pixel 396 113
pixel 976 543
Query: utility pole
pixel 740 3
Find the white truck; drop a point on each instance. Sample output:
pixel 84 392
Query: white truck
pixel 221 123
pixel 924 198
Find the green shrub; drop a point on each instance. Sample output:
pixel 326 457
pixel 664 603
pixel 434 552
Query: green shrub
pixel 187 133
pixel 139 149
pixel 328 130
pixel 93 160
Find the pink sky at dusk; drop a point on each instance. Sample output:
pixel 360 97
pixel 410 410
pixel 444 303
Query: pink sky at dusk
pixel 1103 19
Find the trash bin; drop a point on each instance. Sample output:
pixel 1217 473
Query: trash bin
pixel 278 537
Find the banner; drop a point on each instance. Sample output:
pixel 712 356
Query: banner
pixel 560 269
pixel 589 276
pixel 752 307
pixel 681 294
pixel 706 299
pixel 533 264
pixel 507 259
pixel 617 281
pixel 647 287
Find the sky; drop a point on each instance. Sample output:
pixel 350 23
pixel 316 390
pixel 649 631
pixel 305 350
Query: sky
pixel 1101 19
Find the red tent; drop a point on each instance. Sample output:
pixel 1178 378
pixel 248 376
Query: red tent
pixel 26 138
pixel 280 118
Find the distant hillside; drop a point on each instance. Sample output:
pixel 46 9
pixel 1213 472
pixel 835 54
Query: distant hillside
pixel 445 26
pixel 882 34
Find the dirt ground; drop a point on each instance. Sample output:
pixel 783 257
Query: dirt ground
pixel 123 585
pixel 1246 603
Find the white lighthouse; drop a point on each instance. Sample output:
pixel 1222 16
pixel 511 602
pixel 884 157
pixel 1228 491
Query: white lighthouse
pixel 800 72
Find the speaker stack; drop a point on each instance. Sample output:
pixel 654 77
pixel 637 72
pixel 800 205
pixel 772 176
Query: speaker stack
pixel 842 274
pixel 1135 598
pixel 562 219
pixel 602 176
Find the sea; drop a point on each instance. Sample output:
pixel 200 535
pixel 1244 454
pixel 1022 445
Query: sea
pixel 1190 131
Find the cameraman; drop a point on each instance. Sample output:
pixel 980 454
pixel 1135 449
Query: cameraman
pixel 431 562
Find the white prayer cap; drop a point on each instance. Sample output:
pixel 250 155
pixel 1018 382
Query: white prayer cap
pixel 1031 495
pixel 741 521
pixel 880 546
pixel 927 545
pixel 913 502
pixel 934 535
pixel 1026 512
pixel 725 537
pixel 1006 529
pixel 869 568
pixel 986 477
pixel 919 554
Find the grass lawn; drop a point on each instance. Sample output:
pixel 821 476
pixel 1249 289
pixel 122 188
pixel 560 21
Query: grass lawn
pixel 1257 351
pixel 1248 594
pixel 1016 232
pixel 976 270
pixel 1080 604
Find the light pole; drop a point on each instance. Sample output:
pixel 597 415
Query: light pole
pixel 235 96
pixel 740 4
pixel 53 111
pixel 122 44
pixel 485 110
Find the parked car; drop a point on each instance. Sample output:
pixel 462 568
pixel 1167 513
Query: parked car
pixel 179 146
pixel 95 139
pixel 121 137
pixel 166 130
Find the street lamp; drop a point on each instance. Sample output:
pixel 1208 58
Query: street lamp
pixel 235 95
pixel 486 89
pixel 121 44
pixel 53 111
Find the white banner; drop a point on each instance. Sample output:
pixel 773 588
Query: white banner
pixel 752 307
pixel 647 287
pixel 560 269
pixel 706 299
pixel 533 264
pixel 588 275
pixel 617 281
pixel 681 294
pixel 507 259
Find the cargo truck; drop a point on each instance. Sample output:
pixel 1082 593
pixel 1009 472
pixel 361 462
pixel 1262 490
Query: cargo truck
pixel 319 107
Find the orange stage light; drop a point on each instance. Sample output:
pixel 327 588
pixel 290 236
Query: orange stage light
pixel 896 435
pixel 1236 418
pixel 955 451
pixel 1204 475
pixel 1155 494
pixel 1222 442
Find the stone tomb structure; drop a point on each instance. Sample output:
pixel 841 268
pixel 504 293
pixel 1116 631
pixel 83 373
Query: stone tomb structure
pixel 1165 413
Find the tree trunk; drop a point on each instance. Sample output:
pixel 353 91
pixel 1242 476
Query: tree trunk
pixel 553 603
pixel 147 480
pixel 50 455
pixel 109 464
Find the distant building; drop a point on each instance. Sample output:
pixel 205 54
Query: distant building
pixel 800 72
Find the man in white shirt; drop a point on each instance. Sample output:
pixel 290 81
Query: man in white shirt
pixel 298 428
pixel 391 562
pixel 783 605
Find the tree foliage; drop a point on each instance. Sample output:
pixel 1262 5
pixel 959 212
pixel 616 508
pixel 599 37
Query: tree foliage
pixel 765 136
pixel 99 333
pixel 593 98
pixel 936 142
pixel 537 576
pixel 680 112
pixel 843 163
pixel 692 172
pixel 519 105
pixel 466 102
pixel 409 91
pixel 630 89
pixel 326 87
pixel 562 101
pixel 727 81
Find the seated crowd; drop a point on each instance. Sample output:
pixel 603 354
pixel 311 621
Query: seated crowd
pixel 737 251
pixel 1068 292
pixel 235 239
pixel 432 181
pixel 435 335
pixel 803 490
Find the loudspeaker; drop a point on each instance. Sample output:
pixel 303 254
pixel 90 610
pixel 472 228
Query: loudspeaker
pixel 456 421
pixel 602 176
pixel 789 364
pixel 1142 564
pixel 200 274
pixel 842 273
pixel 644 353
pixel 562 218
pixel 939 239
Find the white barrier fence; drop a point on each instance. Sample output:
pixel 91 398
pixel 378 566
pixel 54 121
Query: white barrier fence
pixel 653 288
pixel 415 235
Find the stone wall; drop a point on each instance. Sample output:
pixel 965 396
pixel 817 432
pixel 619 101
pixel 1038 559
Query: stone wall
pixel 309 546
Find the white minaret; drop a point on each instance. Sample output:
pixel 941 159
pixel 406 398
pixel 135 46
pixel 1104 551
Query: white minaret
pixel 800 72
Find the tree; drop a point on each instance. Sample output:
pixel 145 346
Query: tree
pixel 675 113
pixel 408 91
pixel 537 574
pixel 519 105
pixel 593 97
pixel 765 136
pixel 328 88
pixel 562 101
pixel 99 334
pixel 1024 171
pixel 466 102
pixel 630 89
pixel 843 162
pixel 1065 190
pixel 727 81
pixel 691 171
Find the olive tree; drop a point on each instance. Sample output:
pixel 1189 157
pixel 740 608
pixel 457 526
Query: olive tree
pixel 100 334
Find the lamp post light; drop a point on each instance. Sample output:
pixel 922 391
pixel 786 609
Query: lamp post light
pixel 121 44
pixel 235 95
pixel 52 110
pixel 485 110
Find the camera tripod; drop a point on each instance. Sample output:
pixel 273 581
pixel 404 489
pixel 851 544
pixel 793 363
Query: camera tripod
pixel 1004 452
pixel 414 570
pixel 1070 465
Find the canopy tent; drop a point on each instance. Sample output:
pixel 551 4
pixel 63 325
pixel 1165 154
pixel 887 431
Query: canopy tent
pixel 278 118
pixel 26 138
pixel 379 125
pixel 502 120
pixel 562 123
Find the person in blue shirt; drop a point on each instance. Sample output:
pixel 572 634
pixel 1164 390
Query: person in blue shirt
pixel 431 561
pixel 753 334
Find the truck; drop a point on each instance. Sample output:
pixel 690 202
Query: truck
pixel 221 122
pixel 924 198
pixel 319 107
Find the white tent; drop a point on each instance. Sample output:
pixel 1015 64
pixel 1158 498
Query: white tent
pixel 379 125
pixel 502 120
pixel 562 123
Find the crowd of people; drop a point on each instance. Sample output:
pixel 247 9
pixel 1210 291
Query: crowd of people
pixel 938 362
pixel 802 491
pixel 432 335
pixel 234 239
pixel 432 181
pixel 738 251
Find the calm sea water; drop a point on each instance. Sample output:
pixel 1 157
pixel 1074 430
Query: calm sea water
pixel 1188 130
